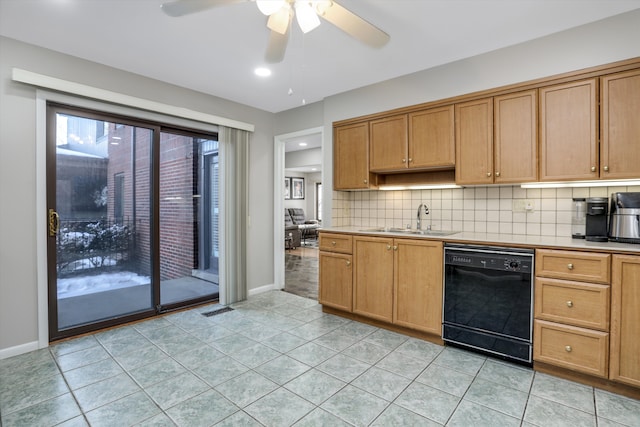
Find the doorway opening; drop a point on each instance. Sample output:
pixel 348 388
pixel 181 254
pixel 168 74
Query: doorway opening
pixel 301 169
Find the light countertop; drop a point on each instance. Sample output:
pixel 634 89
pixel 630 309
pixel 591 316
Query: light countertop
pixel 501 239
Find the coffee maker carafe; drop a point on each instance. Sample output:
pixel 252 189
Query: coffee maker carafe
pixel 579 218
pixel 596 226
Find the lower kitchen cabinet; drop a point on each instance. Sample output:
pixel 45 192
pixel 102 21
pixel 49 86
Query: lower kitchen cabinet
pixel 335 262
pixel 335 280
pixel 578 349
pixel 373 277
pixel 625 320
pixel 399 281
pixel 418 285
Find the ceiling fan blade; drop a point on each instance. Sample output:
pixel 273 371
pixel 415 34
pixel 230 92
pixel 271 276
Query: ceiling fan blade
pixel 186 7
pixel 276 47
pixel 354 25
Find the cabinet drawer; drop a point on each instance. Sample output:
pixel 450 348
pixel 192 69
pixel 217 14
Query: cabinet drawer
pixel 575 303
pixel 571 347
pixel 572 265
pixel 334 242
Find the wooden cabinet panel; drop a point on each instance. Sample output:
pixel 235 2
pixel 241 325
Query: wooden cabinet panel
pixel 573 303
pixel 516 137
pixel 335 242
pixel 578 349
pixel 351 157
pixel 568 131
pixel 418 285
pixel 573 265
pixel 335 280
pixel 432 138
pixel 388 144
pixel 620 126
pixel 474 142
pixel 625 320
pixel 373 277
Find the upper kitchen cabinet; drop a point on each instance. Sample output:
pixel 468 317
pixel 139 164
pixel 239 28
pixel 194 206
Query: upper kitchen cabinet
pixel 474 142
pixel 432 139
pixel 421 140
pixel 388 144
pixel 568 131
pixel 516 137
pixel 620 126
pixel 351 157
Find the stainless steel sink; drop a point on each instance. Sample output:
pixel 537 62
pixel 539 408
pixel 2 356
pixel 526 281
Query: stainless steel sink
pixel 410 231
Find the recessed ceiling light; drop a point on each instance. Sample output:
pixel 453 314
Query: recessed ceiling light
pixel 262 72
pixel 303 144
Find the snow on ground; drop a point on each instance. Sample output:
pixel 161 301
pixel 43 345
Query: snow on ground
pixel 83 285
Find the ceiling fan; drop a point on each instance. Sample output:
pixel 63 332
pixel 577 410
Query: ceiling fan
pixel 281 13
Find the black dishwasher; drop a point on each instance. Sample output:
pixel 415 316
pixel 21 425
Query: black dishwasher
pixel 488 300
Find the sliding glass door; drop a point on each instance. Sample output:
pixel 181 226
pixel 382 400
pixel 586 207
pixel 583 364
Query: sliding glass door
pixel 132 220
pixel 188 218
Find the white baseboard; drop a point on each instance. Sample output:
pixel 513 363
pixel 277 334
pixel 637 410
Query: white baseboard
pixel 5 353
pixel 261 289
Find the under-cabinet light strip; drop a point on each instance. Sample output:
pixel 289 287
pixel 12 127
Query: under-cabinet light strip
pixel 620 183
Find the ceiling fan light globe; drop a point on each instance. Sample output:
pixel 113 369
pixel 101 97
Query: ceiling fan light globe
pixel 269 7
pixel 306 16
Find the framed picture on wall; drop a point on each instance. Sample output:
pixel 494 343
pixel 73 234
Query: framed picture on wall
pixel 287 188
pixel 297 188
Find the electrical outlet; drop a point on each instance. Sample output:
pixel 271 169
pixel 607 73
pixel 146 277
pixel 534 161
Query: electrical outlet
pixel 523 205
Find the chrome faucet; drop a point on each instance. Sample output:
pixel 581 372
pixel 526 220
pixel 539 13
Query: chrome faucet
pixel 418 220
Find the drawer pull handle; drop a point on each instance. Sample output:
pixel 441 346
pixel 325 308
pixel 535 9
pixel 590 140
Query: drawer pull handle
pixel 570 266
pixel 333 243
pixel 568 348
pixel 593 168
pixel 395 248
pixel 488 174
pixel 569 303
pixel 348 263
pixel 388 247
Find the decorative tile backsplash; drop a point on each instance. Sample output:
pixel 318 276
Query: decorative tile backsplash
pixel 495 209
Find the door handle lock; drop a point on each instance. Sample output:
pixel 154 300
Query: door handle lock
pixel 54 222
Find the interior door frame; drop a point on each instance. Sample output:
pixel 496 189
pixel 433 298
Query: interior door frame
pixel 278 199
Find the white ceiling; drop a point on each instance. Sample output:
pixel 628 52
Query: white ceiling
pixel 216 51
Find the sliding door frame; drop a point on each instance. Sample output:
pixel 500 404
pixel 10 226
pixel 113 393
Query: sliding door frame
pixel 54 107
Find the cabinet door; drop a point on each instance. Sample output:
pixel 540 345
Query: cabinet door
pixel 620 126
pixel 373 277
pixel 388 144
pixel 351 157
pixel 432 138
pixel 568 131
pixel 474 142
pixel 418 285
pixel 625 320
pixel 516 137
pixel 335 280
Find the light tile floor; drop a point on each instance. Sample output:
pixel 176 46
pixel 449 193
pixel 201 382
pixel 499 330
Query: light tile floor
pixel 277 360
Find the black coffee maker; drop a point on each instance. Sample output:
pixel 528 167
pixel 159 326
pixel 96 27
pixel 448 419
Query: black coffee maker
pixel 596 227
